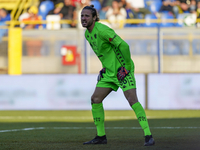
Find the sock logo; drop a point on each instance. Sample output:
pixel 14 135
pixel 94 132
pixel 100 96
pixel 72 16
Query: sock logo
pixel 142 118
pixel 97 119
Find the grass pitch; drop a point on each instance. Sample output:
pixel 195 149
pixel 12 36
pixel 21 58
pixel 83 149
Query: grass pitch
pixel 67 130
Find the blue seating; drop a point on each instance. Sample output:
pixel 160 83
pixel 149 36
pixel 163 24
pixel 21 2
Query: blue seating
pixel 180 18
pixel 148 2
pixel 96 4
pixel 155 6
pixel 164 17
pixel 148 22
pixel 44 8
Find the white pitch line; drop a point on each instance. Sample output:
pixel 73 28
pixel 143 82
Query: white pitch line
pixel 61 118
pixel 66 118
pixel 91 128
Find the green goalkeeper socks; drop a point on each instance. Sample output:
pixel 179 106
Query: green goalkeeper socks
pixel 98 116
pixel 141 116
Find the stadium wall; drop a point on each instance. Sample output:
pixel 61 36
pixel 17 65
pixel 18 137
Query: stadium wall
pixel 180 50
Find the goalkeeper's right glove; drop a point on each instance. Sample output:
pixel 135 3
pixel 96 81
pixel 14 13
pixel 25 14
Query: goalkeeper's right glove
pixel 122 73
pixel 101 74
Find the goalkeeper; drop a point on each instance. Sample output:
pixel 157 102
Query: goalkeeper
pixel 117 71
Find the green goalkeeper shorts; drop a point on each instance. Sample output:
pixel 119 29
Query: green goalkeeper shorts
pixel 127 84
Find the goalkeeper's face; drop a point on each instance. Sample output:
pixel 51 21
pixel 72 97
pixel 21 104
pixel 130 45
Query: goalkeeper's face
pixel 86 18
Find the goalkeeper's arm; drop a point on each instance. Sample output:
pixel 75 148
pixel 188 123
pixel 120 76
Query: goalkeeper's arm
pixel 124 48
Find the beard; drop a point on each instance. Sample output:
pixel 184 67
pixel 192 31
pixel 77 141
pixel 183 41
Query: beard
pixel 87 24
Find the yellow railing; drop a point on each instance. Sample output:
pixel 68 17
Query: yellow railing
pixel 15 22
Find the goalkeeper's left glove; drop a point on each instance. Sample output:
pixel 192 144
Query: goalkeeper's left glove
pixel 122 73
pixel 101 74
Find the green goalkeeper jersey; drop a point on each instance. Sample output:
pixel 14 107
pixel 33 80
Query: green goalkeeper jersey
pixel 105 43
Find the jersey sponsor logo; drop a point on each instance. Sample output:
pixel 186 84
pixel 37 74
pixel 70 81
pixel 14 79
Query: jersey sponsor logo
pixel 111 39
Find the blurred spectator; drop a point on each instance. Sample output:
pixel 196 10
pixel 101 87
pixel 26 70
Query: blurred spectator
pixel 68 12
pixel 32 15
pixel 105 5
pixel 33 47
pixel 4 16
pixel 24 15
pixel 193 6
pixel 54 1
pixel 123 3
pixel 170 6
pixel 53 16
pixel 198 13
pixel 167 5
pixel 138 7
pixel 57 9
pixel 198 9
pixel 184 6
pixel 129 11
pixel 77 3
pixel 116 15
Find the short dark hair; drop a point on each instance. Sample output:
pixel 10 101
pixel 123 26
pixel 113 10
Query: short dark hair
pixel 93 10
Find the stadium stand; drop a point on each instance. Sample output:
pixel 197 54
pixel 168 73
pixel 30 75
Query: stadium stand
pixel 17 7
pixel 154 6
pixel 176 47
pixel 196 46
pixel 164 17
pixel 148 22
pixel 44 8
pixel 96 4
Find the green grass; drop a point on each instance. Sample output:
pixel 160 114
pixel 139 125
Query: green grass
pixel 67 130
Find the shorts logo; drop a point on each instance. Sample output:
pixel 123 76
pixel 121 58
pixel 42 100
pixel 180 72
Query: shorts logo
pixel 123 83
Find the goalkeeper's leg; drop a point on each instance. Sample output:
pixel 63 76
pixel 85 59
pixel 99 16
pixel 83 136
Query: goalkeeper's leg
pixel 131 96
pixel 98 115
